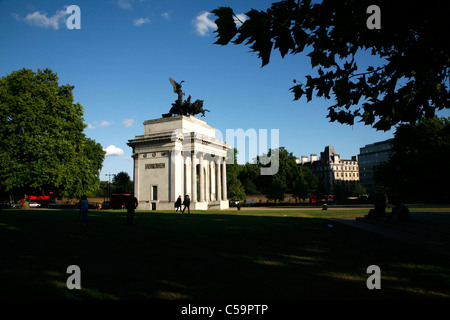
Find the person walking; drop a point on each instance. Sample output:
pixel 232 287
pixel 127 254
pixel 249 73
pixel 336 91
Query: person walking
pixel 187 203
pixel 131 205
pixel 84 207
pixel 178 204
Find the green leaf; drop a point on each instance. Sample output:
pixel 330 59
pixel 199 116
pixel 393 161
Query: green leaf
pixel 226 27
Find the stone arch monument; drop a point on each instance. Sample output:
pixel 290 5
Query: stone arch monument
pixel 179 155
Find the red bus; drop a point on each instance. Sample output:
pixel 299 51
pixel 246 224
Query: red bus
pixel 118 201
pixel 43 200
pixel 322 199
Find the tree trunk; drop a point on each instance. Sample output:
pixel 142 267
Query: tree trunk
pixel 25 202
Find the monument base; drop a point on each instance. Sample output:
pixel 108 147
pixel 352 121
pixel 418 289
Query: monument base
pixel 210 205
pixel 165 205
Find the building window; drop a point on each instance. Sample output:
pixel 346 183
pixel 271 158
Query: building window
pixel 154 192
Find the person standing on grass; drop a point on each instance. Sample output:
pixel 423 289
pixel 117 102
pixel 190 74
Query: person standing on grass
pixel 187 203
pixel 84 207
pixel 131 205
pixel 178 204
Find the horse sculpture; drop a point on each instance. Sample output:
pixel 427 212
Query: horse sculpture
pixel 185 107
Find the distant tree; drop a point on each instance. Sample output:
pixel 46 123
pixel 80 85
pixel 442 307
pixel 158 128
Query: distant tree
pixel 418 168
pixel 250 177
pixel 122 183
pixel 42 144
pixel 291 178
pixel 235 190
pixel 358 190
pixel 410 80
pixel 100 192
pixel 340 192
pixel 283 182
pixel 277 188
pixel 305 183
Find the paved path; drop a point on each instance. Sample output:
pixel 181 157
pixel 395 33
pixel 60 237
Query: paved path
pixel 274 208
pixel 429 230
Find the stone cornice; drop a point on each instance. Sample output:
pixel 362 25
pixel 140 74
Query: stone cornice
pixel 149 139
pixel 190 136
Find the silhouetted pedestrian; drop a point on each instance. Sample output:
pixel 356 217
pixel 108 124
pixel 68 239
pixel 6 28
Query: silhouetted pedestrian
pixel 400 212
pixel 178 204
pixel 84 207
pixel 131 205
pixel 187 203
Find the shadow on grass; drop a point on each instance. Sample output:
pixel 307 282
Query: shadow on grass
pixel 207 256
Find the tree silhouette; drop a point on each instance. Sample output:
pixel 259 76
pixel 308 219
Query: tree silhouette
pixel 409 82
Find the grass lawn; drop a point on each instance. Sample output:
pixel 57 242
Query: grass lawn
pixel 250 254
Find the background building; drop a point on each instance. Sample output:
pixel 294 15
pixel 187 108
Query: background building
pixel 331 170
pixel 372 155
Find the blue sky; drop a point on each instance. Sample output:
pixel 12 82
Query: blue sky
pixel 126 50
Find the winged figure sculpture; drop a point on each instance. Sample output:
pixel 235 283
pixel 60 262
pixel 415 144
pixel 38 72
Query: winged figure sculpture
pixel 181 107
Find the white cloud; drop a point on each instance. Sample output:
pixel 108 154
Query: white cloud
pixel 139 22
pixel 103 124
pixel 165 15
pixel 241 17
pixel 127 123
pixel 39 19
pixel 128 4
pixel 112 150
pixel 203 24
pixel 124 4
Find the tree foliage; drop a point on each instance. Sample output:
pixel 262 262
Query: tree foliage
pixel 418 168
pixel 42 144
pixel 235 190
pixel 411 80
pixel 291 178
pixel 250 177
pixel 122 183
pixel 358 190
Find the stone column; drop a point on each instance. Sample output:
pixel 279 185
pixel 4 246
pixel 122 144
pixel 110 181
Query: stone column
pixel 202 179
pixel 182 175
pixel 175 174
pixel 136 175
pixel 211 180
pixel 193 178
pixel 214 179
pixel 208 181
pixel 224 179
pixel 218 181
pixel 171 154
pixel 186 173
